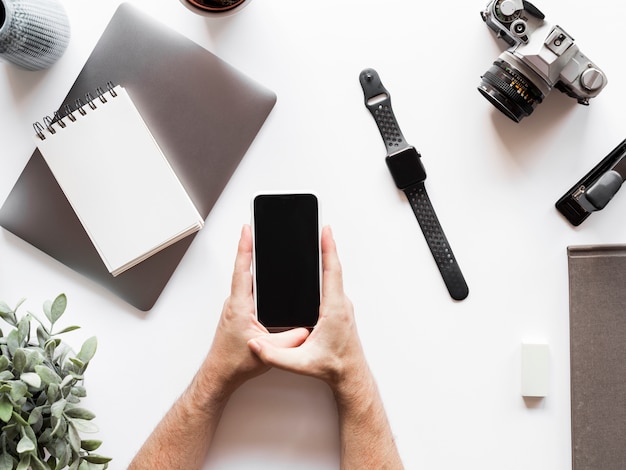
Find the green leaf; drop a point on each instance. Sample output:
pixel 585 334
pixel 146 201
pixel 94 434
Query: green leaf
pixel 47 375
pixel 65 453
pixel 4 308
pixel 37 464
pixel 67 330
pixel 19 360
pixel 57 308
pixel 34 357
pixel 49 347
pixel 17 418
pixel 67 380
pixel 47 309
pixel 57 408
pixel 9 318
pixel 97 459
pixel 7 314
pixel 73 400
pixel 60 427
pixel 6 375
pixel 10 433
pixel 83 425
pixel 54 391
pixel 6 408
pixel 31 379
pixel 45 437
pixel 20 302
pixel 23 330
pixel 74 437
pixel 28 431
pixel 36 416
pixel 18 390
pixel 24 462
pixel 61 453
pixel 52 343
pixel 84 465
pixel 88 350
pixel 25 445
pixel 81 413
pixel 13 341
pixel 4 363
pixel 78 363
pixel 79 391
pixel 6 462
pixel 90 444
pixel 55 447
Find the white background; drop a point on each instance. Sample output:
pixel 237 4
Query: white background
pixel 449 372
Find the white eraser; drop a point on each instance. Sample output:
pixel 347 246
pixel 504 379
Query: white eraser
pixel 535 370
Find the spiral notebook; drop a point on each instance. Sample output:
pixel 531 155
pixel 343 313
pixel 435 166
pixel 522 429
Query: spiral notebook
pixel 114 175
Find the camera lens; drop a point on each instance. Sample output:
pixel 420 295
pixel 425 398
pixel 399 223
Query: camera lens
pixel 510 90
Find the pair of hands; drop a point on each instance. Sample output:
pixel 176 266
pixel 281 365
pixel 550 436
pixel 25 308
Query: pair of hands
pixel 243 348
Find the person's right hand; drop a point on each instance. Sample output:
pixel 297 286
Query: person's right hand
pixel 333 351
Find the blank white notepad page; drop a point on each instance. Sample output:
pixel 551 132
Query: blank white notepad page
pixel 119 183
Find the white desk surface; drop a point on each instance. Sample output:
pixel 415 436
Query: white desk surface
pixel 449 372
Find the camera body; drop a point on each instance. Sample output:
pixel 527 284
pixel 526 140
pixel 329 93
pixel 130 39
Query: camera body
pixel 541 57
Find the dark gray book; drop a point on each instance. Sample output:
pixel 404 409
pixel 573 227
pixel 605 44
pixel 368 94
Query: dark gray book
pixel 203 113
pixel 597 302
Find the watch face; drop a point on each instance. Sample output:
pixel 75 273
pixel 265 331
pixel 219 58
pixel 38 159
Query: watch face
pixel 406 168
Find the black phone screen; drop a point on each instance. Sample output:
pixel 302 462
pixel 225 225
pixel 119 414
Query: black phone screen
pixel 287 259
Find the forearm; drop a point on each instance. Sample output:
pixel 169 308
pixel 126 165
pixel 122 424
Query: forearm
pixel 182 439
pixel 366 438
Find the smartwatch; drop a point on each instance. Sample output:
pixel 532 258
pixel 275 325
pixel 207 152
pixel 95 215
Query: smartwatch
pixel 406 168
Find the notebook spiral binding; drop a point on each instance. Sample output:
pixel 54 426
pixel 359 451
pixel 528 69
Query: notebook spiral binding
pixel 79 106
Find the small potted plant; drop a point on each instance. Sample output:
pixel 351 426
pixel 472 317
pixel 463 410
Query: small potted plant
pixel 41 386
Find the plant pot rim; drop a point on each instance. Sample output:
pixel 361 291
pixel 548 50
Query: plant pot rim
pixel 215 12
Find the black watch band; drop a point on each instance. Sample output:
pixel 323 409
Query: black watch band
pixel 404 163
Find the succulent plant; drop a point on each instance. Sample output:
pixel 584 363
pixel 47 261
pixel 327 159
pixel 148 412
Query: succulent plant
pixel 41 386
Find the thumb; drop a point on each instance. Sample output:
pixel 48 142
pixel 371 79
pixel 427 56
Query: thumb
pixel 273 353
pixel 285 339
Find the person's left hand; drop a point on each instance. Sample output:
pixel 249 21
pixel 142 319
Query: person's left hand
pixel 230 355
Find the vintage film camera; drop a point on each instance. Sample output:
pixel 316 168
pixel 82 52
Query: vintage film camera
pixel 541 57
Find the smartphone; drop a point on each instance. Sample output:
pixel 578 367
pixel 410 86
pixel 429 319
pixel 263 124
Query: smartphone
pixel 286 259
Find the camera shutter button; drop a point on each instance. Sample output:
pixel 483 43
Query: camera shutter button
pixel 592 79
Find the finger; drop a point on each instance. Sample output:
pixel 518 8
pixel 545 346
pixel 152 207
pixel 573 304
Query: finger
pixel 242 278
pixel 332 281
pixel 288 358
pixel 290 338
pixel 286 339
